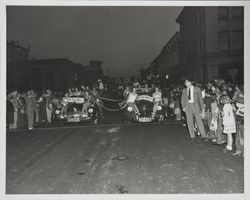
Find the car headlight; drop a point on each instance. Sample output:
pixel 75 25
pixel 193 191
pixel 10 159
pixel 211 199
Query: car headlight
pixel 57 112
pixel 129 108
pixel 159 108
pixel 90 110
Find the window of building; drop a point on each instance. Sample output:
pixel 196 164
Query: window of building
pixel 237 12
pixel 224 41
pixel 223 13
pixel 238 40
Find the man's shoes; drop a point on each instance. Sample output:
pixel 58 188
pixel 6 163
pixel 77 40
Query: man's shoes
pixel 237 153
pixel 193 139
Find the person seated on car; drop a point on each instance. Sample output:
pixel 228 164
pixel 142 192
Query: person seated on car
pixel 70 92
pixel 132 97
pixel 157 98
pixel 86 104
pixel 139 89
pixel 77 92
pixel 125 96
pixel 146 89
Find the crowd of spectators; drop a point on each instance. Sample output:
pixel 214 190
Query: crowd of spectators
pixel 223 118
pixel 31 108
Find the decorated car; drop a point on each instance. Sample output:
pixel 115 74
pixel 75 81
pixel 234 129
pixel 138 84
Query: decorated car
pixel 145 106
pixel 74 111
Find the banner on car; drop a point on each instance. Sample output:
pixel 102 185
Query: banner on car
pixel 145 97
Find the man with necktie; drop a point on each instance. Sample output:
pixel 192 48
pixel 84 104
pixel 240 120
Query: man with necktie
pixel 193 106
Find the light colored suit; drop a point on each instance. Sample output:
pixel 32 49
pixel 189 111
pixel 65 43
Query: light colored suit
pixel 193 109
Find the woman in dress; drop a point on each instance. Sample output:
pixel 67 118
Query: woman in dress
pixel 228 121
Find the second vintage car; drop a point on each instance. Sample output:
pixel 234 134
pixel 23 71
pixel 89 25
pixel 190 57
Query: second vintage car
pixel 145 106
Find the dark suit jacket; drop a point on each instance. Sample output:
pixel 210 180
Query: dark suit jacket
pixel 198 102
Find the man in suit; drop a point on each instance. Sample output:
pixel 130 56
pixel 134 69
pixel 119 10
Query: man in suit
pixel 192 105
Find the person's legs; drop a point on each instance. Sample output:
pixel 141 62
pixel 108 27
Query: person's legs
pixel 48 112
pixel 200 124
pixel 239 139
pixel 155 108
pixel 30 116
pixel 212 132
pixel 84 109
pixel 229 141
pixel 237 143
pixel 190 122
pixel 220 138
pixel 37 115
pixel 15 117
pixel 135 108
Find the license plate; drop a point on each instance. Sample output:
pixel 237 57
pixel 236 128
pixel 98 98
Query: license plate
pixel 73 119
pixel 145 119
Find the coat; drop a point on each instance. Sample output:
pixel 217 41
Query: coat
pixel 198 101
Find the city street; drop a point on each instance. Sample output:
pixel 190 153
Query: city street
pixel 115 159
pixel 97 98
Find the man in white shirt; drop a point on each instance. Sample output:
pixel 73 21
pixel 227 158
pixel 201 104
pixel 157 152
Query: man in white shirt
pixel 192 105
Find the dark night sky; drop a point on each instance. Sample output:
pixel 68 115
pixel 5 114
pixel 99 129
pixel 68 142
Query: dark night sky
pixel 124 38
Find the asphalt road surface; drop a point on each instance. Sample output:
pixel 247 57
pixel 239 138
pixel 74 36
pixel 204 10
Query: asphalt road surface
pixel 110 159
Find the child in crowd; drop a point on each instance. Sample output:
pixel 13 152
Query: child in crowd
pixel 228 121
pixel 177 110
pixel 214 122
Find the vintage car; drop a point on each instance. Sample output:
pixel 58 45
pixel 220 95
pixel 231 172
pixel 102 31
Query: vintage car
pixel 73 111
pixel 145 106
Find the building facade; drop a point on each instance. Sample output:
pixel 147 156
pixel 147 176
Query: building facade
pixel 211 43
pixel 55 74
pixel 15 52
pixel 168 59
pixel 39 74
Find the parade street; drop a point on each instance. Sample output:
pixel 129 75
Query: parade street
pixel 114 159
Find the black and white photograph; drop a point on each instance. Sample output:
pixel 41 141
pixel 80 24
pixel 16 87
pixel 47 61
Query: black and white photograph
pixel 125 98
